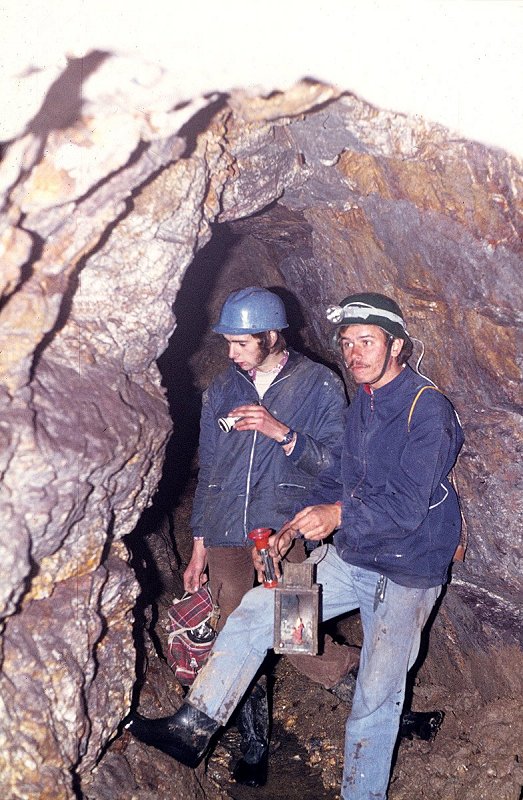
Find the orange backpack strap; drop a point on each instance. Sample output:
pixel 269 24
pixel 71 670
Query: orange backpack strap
pixel 461 549
pixel 413 406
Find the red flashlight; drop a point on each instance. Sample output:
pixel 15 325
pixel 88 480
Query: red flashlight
pixel 260 537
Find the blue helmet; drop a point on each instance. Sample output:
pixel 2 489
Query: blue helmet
pixel 251 310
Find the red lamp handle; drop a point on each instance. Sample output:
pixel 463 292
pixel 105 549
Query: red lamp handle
pixel 260 537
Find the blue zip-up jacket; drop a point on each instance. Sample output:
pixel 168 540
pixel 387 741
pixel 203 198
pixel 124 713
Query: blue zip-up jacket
pixel 245 479
pixel 400 514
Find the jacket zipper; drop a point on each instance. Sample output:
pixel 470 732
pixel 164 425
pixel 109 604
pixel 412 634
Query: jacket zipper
pixel 251 461
pixel 278 380
pixel 365 445
pixel 248 485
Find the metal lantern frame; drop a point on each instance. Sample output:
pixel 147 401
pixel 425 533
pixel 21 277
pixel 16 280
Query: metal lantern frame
pixel 296 610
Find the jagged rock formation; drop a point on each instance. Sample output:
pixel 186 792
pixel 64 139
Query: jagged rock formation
pixel 102 212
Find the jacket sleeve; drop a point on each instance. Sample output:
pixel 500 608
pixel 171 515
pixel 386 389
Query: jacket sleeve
pixel 207 446
pixel 429 454
pixel 314 449
pixel 328 487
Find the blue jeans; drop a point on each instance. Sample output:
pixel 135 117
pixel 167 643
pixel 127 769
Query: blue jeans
pixel 390 647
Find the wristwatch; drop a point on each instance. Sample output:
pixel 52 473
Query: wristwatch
pixel 287 439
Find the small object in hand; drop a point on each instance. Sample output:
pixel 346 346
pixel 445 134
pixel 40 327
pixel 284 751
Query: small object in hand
pixel 260 537
pixel 226 424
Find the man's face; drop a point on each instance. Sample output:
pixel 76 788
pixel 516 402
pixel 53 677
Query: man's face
pixel 244 350
pixel 364 348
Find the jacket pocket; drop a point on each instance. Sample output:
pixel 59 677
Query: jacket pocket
pixel 213 505
pixel 289 497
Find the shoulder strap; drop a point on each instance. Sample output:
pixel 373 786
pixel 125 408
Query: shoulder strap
pixel 461 549
pixel 413 406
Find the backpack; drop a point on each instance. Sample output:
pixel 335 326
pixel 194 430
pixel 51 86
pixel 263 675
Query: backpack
pixel 192 621
pixel 461 549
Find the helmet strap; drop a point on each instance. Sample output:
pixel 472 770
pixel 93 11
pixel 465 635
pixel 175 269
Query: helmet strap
pixel 386 360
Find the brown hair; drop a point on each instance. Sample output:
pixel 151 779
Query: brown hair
pixel 405 352
pixel 264 340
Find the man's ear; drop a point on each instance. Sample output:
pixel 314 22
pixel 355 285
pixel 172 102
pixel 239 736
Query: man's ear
pixel 273 337
pixel 397 344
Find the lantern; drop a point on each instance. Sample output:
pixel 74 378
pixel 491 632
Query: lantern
pixel 296 610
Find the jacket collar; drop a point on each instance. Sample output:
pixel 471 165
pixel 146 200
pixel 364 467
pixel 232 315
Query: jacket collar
pixel 292 362
pixel 394 386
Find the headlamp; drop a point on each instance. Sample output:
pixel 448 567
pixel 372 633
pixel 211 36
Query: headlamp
pixel 335 314
pixel 361 311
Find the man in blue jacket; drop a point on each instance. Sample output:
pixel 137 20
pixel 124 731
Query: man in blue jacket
pixel 286 414
pixel 268 427
pixel 396 524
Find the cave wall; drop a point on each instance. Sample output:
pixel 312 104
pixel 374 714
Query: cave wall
pixel 102 212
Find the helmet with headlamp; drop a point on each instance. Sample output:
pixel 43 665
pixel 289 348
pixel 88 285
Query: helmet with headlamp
pixel 369 308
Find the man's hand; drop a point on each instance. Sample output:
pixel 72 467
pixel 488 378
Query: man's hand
pixel 317 522
pixel 194 576
pixel 257 418
pixel 281 542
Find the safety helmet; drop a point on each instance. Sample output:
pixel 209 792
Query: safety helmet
pixel 251 310
pixel 369 308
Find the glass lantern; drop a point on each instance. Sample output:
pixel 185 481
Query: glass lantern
pixel 296 611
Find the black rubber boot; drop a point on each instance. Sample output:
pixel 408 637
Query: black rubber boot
pixel 185 735
pixel 413 724
pixel 253 725
pixel 420 724
pixel 344 689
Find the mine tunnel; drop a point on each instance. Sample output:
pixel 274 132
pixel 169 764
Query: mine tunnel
pixel 305 757
pixel 121 241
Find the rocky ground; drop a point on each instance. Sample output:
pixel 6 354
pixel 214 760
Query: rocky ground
pixel 475 756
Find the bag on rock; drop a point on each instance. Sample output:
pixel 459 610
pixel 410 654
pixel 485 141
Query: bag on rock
pixel 192 621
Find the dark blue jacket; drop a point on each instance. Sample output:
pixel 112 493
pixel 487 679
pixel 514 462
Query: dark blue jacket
pixel 245 480
pixel 400 515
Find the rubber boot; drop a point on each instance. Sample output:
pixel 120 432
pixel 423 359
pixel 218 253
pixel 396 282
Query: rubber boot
pixel 185 735
pixel 344 689
pixel 420 724
pixel 253 725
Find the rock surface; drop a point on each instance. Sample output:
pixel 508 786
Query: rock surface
pixel 104 204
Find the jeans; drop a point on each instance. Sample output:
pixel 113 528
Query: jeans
pixel 231 575
pixel 390 647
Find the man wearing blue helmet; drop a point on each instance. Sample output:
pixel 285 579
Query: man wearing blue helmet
pixel 268 427
pixel 396 524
